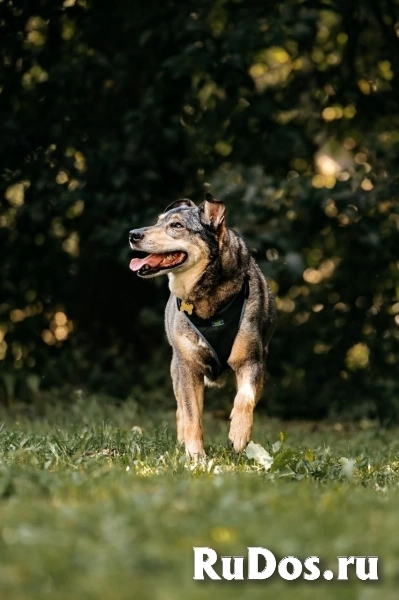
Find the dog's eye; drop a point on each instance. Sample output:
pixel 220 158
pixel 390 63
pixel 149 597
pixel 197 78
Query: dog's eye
pixel 176 225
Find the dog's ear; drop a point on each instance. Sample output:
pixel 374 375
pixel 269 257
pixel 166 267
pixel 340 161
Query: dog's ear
pixel 182 202
pixel 212 212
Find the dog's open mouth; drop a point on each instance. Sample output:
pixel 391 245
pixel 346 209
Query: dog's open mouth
pixel 153 263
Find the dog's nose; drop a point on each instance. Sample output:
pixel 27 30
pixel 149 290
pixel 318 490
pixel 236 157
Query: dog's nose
pixel 135 235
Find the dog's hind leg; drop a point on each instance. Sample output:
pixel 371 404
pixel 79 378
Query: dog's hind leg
pixel 188 386
pixel 249 389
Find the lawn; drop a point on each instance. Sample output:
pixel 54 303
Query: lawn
pixel 97 502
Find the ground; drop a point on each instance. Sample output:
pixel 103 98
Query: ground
pixel 97 502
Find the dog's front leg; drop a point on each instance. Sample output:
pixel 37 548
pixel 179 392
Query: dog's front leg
pixel 176 381
pixel 249 389
pixel 193 401
pixel 188 386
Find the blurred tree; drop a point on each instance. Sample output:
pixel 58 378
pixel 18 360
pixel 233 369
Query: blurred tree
pixel 287 110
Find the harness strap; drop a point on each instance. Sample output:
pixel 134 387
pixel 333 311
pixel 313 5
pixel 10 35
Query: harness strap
pixel 220 331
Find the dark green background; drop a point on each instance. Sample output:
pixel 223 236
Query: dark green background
pixel 288 111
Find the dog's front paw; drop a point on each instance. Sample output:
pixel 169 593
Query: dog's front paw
pixel 240 429
pixel 195 450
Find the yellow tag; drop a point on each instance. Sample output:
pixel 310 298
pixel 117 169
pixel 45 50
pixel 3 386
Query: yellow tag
pixel 186 307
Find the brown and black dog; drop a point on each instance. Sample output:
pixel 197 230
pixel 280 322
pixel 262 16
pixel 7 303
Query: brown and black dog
pixel 220 315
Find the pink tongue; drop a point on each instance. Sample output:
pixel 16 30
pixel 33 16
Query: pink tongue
pixel 153 260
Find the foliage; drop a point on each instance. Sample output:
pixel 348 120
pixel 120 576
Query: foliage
pixel 288 111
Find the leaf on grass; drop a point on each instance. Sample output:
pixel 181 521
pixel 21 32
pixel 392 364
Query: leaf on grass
pixel 348 467
pixel 309 456
pixel 276 446
pixel 258 453
pixel 284 458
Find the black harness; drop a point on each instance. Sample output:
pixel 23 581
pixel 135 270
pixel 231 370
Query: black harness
pixel 220 331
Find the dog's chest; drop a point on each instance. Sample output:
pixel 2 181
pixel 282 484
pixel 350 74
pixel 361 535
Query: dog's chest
pixel 218 333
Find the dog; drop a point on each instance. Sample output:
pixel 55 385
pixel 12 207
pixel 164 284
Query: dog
pixel 220 315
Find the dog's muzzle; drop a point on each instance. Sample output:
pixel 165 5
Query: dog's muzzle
pixel 135 235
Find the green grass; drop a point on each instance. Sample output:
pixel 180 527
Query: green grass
pixel 97 502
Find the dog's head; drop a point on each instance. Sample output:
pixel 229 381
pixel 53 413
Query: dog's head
pixel 184 235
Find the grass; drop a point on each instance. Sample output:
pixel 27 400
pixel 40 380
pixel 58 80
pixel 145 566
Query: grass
pixel 97 502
